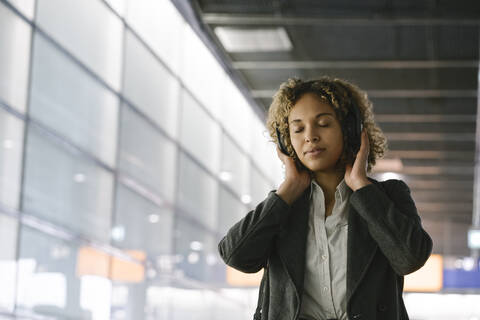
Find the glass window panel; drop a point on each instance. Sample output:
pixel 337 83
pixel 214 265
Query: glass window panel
pixel 147 155
pixel 181 303
pixel 63 187
pixel 73 103
pixel 8 249
pixel 265 155
pixel 14 59
pixel 60 279
pixel 202 73
pixel 120 6
pixel 234 169
pixel 26 7
pixel 259 187
pixel 128 302
pixel 161 26
pixel 239 308
pixel 11 148
pixel 277 173
pixel 230 211
pixel 197 192
pixel 196 249
pixel 142 224
pixel 150 86
pixel 88 30
pixel 237 115
pixel 199 133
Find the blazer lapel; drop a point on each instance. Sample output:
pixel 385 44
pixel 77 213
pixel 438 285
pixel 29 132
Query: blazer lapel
pixel 361 250
pixel 291 244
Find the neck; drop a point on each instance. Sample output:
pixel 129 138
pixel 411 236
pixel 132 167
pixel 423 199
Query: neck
pixel 328 181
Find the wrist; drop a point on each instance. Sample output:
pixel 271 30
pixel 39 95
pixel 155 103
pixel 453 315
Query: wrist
pixel 361 184
pixel 288 192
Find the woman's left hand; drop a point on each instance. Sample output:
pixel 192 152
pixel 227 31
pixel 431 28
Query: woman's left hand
pixel 356 176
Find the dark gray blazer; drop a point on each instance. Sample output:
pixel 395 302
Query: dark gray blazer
pixel 385 242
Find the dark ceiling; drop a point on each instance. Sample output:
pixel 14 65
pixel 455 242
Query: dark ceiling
pixel 417 60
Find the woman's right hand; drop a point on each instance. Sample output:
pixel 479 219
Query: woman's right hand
pixel 296 181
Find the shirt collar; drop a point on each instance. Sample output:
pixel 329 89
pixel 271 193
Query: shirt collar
pixel 343 190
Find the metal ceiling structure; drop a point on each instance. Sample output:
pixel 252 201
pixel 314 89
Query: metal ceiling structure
pixel 417 60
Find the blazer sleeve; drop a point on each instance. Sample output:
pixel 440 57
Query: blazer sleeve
pixel 394 223
pixel 247 244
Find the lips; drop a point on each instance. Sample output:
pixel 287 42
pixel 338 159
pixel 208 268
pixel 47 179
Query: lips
pixel 315 151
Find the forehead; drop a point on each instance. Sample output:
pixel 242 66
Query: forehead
pixel 310 106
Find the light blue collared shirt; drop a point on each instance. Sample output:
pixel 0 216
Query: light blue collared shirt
pixel 325 283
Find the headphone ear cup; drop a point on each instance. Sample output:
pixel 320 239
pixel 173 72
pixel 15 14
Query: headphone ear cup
pixel 354 128
pixel 281 142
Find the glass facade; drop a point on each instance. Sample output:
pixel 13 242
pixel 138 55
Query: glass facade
pixel 126 152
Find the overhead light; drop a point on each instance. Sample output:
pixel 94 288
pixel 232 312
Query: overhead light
pixel 79 177
pixel 196 245
pixel 153 218
pixel 246 198
pixel 151 273
pixel 59 252
pixel 254 40
pixel 211 259
pixel 118 233
pixel 474 238
pixel 225 176
pixel 8 144
pixel 193 258
pixel 468 263
pixel 384 165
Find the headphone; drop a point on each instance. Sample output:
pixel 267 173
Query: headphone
pixel 353 127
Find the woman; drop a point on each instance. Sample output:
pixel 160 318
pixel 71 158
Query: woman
pixel 335 244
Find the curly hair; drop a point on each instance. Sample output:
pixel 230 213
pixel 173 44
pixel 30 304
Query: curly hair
pixel 338 93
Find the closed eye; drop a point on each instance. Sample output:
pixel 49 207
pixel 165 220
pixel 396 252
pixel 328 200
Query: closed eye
pixel 320 125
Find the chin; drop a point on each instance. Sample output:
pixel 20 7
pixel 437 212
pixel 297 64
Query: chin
pixel 316 167
pixel 322 167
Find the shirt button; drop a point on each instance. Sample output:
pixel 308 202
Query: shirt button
pixel 325 289
pixel 324 257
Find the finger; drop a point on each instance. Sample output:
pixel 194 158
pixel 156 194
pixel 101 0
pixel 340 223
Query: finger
pixel 280 154
pixel 364 147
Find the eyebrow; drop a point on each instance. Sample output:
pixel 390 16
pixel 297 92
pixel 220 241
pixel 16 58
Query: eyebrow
pixel 316 117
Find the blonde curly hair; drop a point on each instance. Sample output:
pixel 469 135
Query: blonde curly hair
pixel 338 93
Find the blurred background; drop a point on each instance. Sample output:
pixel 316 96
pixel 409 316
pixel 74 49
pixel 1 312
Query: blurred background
pixel 132 137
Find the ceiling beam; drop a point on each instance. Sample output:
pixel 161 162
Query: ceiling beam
pixel 444 195
pixel 434 93
pixel 434 171
pixel 429 154
pixel 444 206
pixel 430 136
pixel 423 118
pixel 420 185
pixel 248 20
pixel 391 64
pixel 445 217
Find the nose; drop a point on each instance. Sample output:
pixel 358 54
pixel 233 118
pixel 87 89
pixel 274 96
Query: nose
pixel 311 135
